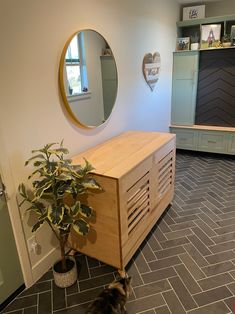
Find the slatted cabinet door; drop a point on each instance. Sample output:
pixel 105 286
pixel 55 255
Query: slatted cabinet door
pixel 135 204
pixel 136 172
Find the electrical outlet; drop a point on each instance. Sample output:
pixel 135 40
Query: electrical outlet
pixel 32 244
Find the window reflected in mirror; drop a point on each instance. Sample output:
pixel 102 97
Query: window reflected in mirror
pixel 88 78
pixel 75 62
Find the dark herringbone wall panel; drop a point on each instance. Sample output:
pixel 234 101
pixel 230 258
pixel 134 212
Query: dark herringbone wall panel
pixel 216 88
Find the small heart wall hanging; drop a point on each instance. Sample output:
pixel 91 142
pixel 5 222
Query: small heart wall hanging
pixel 151 68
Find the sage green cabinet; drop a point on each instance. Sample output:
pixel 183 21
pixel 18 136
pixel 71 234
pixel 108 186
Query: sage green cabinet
pixel 185 139
pixel 210 141
pixel 231 144
pixel 213 140
pixel 184 87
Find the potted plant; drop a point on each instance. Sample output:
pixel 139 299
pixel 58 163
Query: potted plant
pixel 226 40
pixel 54 197
pixel 194 42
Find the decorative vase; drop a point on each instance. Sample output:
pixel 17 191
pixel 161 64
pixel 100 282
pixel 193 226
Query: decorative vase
pixel 194 46
pixel 226 45
pixel 65 279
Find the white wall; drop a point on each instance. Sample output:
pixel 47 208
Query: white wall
pixel 33 34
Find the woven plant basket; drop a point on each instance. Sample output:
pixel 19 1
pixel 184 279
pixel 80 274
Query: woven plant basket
pixel 64 280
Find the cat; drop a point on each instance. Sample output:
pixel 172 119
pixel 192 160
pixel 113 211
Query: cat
pixel 112 299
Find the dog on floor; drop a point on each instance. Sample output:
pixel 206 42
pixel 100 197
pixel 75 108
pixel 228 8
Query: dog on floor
pixel 112 299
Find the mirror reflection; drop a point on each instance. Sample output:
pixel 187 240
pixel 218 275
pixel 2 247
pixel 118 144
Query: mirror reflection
pixel 88 78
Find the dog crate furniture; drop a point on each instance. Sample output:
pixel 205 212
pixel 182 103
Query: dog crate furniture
pixel 136 171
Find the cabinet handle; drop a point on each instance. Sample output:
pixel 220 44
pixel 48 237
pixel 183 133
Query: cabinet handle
pixel 212 142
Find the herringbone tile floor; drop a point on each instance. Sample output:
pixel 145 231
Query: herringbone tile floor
pixel 185 265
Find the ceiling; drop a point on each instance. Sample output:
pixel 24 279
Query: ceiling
pixel 196 1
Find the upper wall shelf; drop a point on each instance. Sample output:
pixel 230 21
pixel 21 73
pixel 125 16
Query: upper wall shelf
pixel 207 20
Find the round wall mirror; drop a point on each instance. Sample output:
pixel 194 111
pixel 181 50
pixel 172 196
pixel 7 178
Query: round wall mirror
pixel 88 78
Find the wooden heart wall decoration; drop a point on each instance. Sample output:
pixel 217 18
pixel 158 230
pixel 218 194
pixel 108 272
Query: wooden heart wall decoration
pixel 151 68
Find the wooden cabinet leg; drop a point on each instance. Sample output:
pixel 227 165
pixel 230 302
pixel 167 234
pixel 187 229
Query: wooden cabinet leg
pixel 122 273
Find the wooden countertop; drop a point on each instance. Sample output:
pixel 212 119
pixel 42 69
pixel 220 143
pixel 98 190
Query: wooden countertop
pixel 120 154
pixel 204 127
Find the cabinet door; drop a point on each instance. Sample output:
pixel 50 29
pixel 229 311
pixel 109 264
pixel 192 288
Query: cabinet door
pixel 184 88
pixel 231 144
pixel 214 142
pixel 185 139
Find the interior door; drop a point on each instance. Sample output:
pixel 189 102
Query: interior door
pixel 10 271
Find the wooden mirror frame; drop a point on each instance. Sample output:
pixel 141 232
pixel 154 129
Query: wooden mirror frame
pixel 67 107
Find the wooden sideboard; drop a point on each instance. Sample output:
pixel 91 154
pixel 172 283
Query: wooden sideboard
pixel 136 171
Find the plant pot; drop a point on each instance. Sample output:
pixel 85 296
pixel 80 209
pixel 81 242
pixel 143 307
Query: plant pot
pixel 194 46
pixel 65 279
pixel 226 45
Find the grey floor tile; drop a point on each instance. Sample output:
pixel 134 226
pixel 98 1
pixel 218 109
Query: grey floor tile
pixel 31 310
pixel 215 281
pixel 173 302
pixel 152 288
pixel 162 310
pixel 212 295
pixel 182 293
pixel 96 282
pixel 215 308
pixel 21 303
pixel 45 303
pixel 144 304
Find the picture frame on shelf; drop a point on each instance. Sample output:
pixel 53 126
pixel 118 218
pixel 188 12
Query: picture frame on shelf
pixel 183 43
pixel 194 12
pixel 233 35
pixel 210 36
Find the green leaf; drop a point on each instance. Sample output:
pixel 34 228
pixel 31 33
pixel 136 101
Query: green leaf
pixel 51 167
pixel 23 193
pixel 88 167
pixel 57 151
pixel 91 183
pixel 75 209
pixel 22 190
pixel 63 189
pixel 40 156
pixel 37 225
pixel 64 176
pixel 39 163
pixel 34 172
pixel 42 217
pixel 42 186
pixel 55 214
pixel 81 226
pixel 85 210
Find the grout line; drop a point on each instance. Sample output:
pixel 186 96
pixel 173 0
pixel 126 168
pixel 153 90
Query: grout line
pixel 175 295
pixel 138 271
pixel 165 299
pixel 28 295
pixel 38 303
pixel 210 238
pixel 93 277
pixel 88 267
pixel 202 243
pixel 205 291
pixel 190 274
pixel 52 299
pixel 146 296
